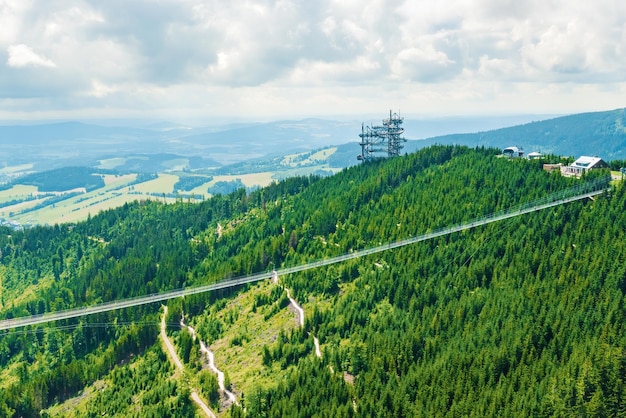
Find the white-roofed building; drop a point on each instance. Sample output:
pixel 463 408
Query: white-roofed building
pixel 513 152
pixel 582 165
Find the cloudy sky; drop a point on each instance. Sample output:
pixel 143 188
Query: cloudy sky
pixel 262 59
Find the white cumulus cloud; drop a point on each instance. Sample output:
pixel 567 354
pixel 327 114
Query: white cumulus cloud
pixel 311 57
pixel 23 56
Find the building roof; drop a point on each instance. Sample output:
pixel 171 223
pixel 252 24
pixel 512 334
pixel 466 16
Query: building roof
pixel 587 162
pixel 534 154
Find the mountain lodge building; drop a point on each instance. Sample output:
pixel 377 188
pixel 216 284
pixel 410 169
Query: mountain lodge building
pixel 582 165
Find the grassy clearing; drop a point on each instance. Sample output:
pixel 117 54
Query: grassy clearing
pixel 304 159
pixel 23 293
pixel 111 163
pixel 28 293
pixel 10 211
pixel 78 208
pixel 110 179
pixel 52 215
pixel 9 375
pixel 200 190
pixel 11 169
pixel 163 184
pixel 616 176
pixel 113 194
pixel 249 180
pixel 322 154
pixel 304 171
pixel 19 191
pixel 243 363
pixel 289 160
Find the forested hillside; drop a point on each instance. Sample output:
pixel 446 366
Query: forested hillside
pixel 63 179
pixel 597 133
pixel 519 318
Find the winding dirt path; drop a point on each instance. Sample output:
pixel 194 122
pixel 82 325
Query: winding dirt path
pixel 220 375
pixel 168 344
pixel 298 308
pixel 299 314
pixel 179 366
pixel 318 350
pixel 211 359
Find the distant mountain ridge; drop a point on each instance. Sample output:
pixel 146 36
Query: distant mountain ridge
pixel 597 133
pixel 62 144
pixel 54 145
pixel 42 134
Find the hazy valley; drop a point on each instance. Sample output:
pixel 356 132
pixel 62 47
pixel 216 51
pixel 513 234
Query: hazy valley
pixel 168 161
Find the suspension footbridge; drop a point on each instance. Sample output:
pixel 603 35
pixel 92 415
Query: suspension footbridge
pixel 580 192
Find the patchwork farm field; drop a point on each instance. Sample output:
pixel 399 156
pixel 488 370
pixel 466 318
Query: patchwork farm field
pixel 26 205
pixel 38 201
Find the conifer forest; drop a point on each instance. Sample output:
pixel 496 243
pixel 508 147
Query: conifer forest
pixel 522 317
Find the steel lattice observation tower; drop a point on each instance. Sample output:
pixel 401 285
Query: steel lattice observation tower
pixel 377 140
